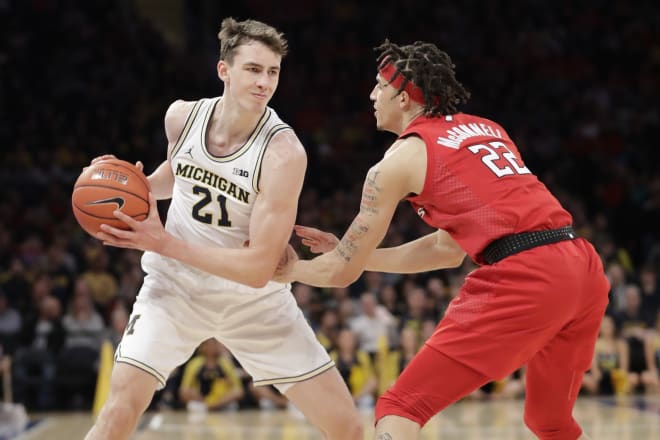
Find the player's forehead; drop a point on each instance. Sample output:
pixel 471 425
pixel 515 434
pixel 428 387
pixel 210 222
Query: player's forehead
pixel 258 54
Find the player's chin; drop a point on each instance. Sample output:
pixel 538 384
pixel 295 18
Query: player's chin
pixel 258 107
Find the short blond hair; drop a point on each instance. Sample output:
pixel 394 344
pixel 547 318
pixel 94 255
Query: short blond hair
pixel 236 33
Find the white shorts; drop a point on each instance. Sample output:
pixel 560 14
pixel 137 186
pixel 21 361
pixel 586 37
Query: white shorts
pixel 265 331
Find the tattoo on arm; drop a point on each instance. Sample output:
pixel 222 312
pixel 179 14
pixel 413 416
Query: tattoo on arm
pixel 385 436
pixel 369 205
pixel 370 194
pixel 348 245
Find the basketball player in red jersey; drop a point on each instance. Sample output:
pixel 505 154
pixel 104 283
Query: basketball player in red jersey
pixel 540 293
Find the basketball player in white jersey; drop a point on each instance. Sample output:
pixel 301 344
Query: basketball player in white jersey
pixel 234 172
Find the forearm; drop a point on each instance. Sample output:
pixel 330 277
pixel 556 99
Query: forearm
pixel 327 270
pixel 424 254
pixel 229 263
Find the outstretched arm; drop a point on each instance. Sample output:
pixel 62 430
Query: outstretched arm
pixel 431 252
pixel 386 184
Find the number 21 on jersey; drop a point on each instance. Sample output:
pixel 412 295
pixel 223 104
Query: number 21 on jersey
pixel 496 151
pixel 223 215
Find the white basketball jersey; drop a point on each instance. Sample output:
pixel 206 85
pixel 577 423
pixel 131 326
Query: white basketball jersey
pixel 213 196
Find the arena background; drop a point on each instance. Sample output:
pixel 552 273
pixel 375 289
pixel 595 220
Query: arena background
pixel 576 84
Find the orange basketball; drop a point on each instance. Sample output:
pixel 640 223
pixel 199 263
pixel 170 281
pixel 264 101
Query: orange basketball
pixel 106 186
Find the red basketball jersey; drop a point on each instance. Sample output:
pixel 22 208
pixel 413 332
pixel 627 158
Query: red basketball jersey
pixel 477 187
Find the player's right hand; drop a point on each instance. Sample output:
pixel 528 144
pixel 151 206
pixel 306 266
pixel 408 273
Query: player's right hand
pixel 318 241
pixel 103 157
pixel 284 266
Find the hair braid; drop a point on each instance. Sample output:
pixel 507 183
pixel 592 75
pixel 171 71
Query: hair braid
pixel 431 70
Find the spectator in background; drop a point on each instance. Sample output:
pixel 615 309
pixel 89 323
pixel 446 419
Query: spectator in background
pixel 303 295
pixel 346 312
pixel 415 313
pixel 210 380
pixel 83 325
pixel 652 378
pixel 650 291
pixel 326 331
pixel 410 345
pixel 15 283
pixel 389 298
pixel 390 364
pixel 77 363
pixel 102 284
pixel 372 325
pixel 356 368
pixel 118 323
pixel 61 267
pixel 337 296
pixel 438 297
pixel 609 370
pixel 130 281
pixel 35 362
pixel 633 323
pixel 617 277
pixel 10 325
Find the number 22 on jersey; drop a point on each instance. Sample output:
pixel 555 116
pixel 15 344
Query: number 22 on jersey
pixel 496 151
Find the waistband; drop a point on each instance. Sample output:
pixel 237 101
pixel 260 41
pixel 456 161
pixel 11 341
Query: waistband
pixel 512 244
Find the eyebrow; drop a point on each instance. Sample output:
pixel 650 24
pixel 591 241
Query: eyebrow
pixel 253 64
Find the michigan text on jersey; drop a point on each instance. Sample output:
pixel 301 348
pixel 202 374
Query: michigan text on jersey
pixel 210 178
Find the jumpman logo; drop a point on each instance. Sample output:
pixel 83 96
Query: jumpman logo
pixel 189 152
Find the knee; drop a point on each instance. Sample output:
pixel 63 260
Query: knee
pixel 552 428
pixel 354 430
pixel 391 404
pixel 121 412
pixel 350 428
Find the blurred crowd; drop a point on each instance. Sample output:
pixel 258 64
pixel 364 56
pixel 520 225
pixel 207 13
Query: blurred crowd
pixel 576 84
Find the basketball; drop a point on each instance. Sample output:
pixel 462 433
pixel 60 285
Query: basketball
pixel 106 186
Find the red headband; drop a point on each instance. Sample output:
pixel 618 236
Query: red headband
pixel 390 74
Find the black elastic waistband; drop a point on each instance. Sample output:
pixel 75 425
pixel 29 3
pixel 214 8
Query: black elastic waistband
pixel 512 244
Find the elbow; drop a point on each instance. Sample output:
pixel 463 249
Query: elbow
pixel 344 277
pixel 258 282
pixel 340 282
pixel 260 274
pixel 457 259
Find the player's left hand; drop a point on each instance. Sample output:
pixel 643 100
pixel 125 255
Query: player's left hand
pixel 147 235
pixel 283 270
pixel 319 242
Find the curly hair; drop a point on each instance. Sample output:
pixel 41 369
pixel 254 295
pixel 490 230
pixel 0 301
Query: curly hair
pixel 428 68
pixel 236 33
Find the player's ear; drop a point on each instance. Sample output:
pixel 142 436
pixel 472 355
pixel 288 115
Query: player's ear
pixel 223 68
pixel 404 100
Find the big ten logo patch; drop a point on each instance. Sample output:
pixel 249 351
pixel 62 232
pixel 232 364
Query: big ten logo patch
pixel 240 172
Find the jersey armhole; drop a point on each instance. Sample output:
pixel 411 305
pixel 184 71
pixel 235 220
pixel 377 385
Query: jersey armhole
pixel 256 173
pixel 192 115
